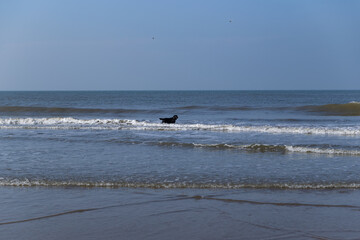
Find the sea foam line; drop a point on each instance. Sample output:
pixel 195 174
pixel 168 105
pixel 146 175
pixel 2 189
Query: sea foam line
pixel 271 148
pixel 328 151
pixel 118 124
pixel 158 185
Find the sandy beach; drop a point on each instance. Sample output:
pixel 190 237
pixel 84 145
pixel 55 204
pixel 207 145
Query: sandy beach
pixel 78 213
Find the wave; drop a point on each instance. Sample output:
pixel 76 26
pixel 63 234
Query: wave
pixel 330 151
pixel 347 109
pixel 264 148
pixel 219 108
pixel 66 110
pixel 191 107
pixel 249 148
pixel 128 124
pixel 63 110
pixel 240 108
pixel 164 185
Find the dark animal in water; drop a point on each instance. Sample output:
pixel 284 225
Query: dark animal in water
pixel 169 120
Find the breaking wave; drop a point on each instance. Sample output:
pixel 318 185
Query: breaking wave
pixel 173 185
pixel 127 124
pixel 264 148
pixel 347 109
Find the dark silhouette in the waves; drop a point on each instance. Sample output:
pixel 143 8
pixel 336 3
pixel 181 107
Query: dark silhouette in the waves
pixel 169 120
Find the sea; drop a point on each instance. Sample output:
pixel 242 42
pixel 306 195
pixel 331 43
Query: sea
pixel 62 150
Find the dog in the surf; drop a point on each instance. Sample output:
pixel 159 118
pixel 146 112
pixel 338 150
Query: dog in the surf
pixel 169 120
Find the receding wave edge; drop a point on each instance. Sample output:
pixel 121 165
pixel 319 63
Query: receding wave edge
pixel 165 185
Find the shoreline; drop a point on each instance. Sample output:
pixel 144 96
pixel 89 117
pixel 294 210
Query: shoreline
pixel 99 213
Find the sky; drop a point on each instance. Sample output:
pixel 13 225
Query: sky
pixel 179 45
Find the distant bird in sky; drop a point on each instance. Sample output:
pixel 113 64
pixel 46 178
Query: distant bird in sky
pixel 153 38
pixel 230 21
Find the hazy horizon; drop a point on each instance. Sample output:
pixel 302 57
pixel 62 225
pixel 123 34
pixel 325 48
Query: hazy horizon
pixel 188 90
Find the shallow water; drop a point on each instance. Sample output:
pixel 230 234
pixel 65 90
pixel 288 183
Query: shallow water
pixel 222 139
pixel 236 165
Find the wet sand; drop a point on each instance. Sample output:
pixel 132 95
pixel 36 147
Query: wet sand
pixel 97 213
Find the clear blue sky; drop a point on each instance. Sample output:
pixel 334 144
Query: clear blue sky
pixel 109 45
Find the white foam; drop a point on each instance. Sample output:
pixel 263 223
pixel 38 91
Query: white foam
pixel 157 185
pixel 321 151
pixel 289 149
pixel 117 124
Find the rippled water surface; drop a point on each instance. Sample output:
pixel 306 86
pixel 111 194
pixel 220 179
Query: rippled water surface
pixel 222 139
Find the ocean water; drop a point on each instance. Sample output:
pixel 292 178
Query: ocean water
pixel 222 139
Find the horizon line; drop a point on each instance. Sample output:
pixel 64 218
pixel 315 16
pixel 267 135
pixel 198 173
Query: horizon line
pixel 174 90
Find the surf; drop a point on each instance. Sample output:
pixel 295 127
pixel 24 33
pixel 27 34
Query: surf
pixel 27 182
pixel 132 124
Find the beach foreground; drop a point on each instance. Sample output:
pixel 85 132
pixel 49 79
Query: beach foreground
pixel 100 213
